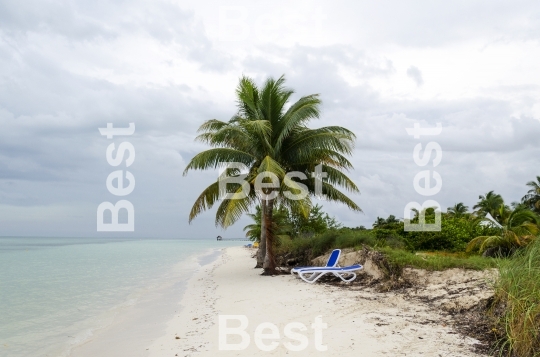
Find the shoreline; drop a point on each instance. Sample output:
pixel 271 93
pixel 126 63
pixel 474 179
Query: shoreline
pixel 135 323
pixel 358 320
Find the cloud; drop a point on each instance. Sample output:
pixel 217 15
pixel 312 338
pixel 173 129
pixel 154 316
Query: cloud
pixel 415 74
pixel 70 67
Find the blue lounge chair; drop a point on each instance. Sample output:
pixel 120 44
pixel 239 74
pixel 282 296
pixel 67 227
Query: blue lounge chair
pixel 311 275
pixel 331 263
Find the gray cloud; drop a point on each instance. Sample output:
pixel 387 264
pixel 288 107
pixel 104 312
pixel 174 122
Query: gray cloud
pixel 415 74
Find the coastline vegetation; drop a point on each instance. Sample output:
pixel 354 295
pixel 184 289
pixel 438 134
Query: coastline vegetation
pixel 494 235
pixel 268 134
pixel 517 296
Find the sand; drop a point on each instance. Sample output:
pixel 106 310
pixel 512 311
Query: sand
pixel 359 322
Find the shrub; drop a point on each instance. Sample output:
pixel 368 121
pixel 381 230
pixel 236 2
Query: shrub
pixel 309 248
pixel 455 233
pixel 518 292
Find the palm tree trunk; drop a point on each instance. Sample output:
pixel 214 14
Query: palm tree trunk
pixel 261 253
pixel 269 264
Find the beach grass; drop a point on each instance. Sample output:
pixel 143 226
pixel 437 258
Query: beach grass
pixel 517 294
pixel 436 262
pixel 310 248
pixel 324 242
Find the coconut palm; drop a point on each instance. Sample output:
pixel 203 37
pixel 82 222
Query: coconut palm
pixel 490 203
pixel 519 228
pixel 458 210
pixel 281 224
pixel 388 222
pixel 253 231
pixel 268 135
pixel 379 222
pixel 532 198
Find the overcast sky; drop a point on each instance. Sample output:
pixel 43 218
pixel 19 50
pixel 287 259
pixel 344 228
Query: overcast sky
pixel 68 68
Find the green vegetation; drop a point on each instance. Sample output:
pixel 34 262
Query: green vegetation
pixel 269 136
pixel 287 224
pixel 392 248
pixel 519 228
pixel 281 225
pixel 518 296
pixel 489 203
pixel 507 232
pixel 436 262
pixel 456 232
pixel 532 198
pixel 310 248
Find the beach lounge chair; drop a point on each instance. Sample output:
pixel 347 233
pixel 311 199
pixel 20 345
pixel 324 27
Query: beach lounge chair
pixel 347 274
pixel 331 263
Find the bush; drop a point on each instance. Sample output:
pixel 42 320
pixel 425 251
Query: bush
pixel 309 248
pixel 454 235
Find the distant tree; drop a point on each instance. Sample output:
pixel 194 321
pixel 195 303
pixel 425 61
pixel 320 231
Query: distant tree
pixel 389 223
pixel 281 225
pixel 253 231
pixel 458 210
pixel 519 228
pixel 428 213
pixel 317 222
pixel 489 203
pixel 359 228
pixel 379 222
pixel 289 223
pixel 532 198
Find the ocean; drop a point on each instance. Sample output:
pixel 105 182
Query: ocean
pixel 58 293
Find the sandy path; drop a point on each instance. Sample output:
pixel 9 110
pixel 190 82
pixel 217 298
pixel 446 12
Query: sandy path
pixel 359 323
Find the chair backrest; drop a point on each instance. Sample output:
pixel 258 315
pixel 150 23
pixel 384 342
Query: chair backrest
pixel 333 258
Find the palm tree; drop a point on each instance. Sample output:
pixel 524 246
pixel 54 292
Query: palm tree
pixel 379 222
pixel 253 231
pixel 386 223
pixel 281 224
pixel 532 198
pixel 429 214
pixel 269 136
pixel 458 210
pixel 490 203
pixel 519 228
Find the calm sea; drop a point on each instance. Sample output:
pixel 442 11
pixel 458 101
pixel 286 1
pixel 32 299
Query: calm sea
pixel 56 293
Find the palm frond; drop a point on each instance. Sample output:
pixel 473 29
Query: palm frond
pixel 333 194
pixel 205 200
pixel 305 109
pixel 213 158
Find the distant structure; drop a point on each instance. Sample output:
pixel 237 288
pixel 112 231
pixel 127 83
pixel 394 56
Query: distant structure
pixel 227 239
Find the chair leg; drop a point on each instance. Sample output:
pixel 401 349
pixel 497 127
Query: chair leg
pixel 343 275
pixel 319 275
pixel 311 278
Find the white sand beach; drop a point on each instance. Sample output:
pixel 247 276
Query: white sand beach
pixel 359 322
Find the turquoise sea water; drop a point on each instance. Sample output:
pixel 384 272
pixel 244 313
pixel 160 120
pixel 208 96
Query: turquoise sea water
pixel 55 293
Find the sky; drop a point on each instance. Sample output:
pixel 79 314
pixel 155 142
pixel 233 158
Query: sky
pixel 67 68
